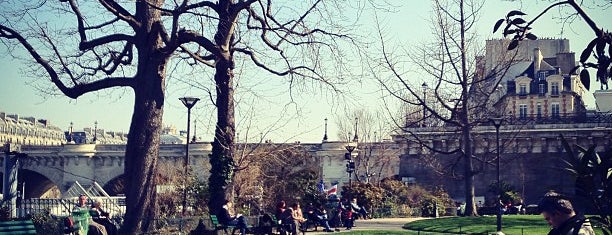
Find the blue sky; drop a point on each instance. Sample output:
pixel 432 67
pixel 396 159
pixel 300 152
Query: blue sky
pixel 269 111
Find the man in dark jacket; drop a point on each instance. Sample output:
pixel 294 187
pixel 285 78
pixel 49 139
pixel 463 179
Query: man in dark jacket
pixel 560 215
pixel 227 217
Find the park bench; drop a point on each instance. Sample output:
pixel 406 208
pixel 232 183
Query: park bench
pixel 218 226
pixel 17 227
pixel 279 225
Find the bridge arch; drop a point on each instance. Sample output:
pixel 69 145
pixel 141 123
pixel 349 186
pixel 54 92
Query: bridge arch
pixel 35 185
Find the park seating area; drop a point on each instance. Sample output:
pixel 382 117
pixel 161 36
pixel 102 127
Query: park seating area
pixel 17 227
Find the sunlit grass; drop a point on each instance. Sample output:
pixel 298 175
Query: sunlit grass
pixel 511 225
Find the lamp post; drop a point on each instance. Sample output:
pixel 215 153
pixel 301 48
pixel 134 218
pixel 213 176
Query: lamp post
pixel 497 122
pixel 424 86
pixel 189 102
pixel 356 138
pixel 325 136
pixel 95 138
pixel 350 165
pixel 70 139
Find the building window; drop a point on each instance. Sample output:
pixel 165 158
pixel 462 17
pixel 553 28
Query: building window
pixel 523 111
pixel 555 110
pixel 542 89
pixel 539 110
pixel 554 88
pixel 523 89
pixel 542 75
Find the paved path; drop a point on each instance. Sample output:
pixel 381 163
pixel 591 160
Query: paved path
pixel 394 224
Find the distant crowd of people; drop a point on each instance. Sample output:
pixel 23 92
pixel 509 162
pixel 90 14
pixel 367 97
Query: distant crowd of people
pixel 292 219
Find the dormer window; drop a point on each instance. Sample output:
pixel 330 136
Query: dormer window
pixel 554 88
pixel 542 75
pixel 523 89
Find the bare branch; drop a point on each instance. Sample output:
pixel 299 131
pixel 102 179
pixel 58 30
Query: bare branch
pixel 121 13
pixel 72 92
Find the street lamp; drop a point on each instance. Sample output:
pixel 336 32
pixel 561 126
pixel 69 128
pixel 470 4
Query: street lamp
pixel 355 138
pixel 497 122
pixel 325 136
pixel 189 102
pixel 350 165
pixel 424 86
pixel 95 138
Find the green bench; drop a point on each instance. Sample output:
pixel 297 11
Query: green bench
pixel 17 227
pixel 218 226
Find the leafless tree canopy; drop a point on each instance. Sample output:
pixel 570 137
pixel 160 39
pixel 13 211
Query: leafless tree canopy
pixel 376 151
pixel 86 46
pixel 449 91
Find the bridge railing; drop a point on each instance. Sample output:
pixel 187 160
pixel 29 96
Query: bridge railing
pixel 64 206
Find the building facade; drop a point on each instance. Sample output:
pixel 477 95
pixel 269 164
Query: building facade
pixel 540 100
pixel 543 90
pixel 29 131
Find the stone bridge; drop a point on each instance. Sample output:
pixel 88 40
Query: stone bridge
pixel 49 171
pixel 47 167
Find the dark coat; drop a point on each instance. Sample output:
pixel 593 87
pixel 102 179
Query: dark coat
pixel 576 225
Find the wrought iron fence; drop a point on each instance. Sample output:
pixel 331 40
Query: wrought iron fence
pixel 64 206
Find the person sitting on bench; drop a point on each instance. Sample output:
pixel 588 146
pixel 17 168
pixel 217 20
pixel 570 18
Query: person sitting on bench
pixel 228 218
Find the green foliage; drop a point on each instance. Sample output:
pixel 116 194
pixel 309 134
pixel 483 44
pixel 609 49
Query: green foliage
pixel 367 194
pixel 199 195
pixel 394 198
pixel 507 192
pixel 4 212
pixel 593 173
pixel 45 222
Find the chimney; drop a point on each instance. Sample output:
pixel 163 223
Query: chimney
pixel 31 120
pixel 566 62
pixel 44 122
pixel 3 115
pixel 537 59
pixel 14 116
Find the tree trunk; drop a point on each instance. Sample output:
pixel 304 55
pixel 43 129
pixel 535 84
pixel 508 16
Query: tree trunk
pixel 142 148
pixel 221 159
pixel 466 127
pixel 470 207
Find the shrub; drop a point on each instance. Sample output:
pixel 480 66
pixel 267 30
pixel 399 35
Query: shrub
pixel 46 223
pixel 394 198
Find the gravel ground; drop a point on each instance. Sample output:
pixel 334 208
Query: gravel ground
pixel 394 224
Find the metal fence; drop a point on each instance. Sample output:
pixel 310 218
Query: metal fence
pixel 64 206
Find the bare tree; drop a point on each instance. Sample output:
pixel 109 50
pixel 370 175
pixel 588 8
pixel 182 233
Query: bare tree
pixel 286 171
pixel 375 150
pixel 117 44
pixel 452 94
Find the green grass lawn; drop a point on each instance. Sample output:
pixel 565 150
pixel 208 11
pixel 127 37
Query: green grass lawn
pixel 511 225
pixel 367 232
